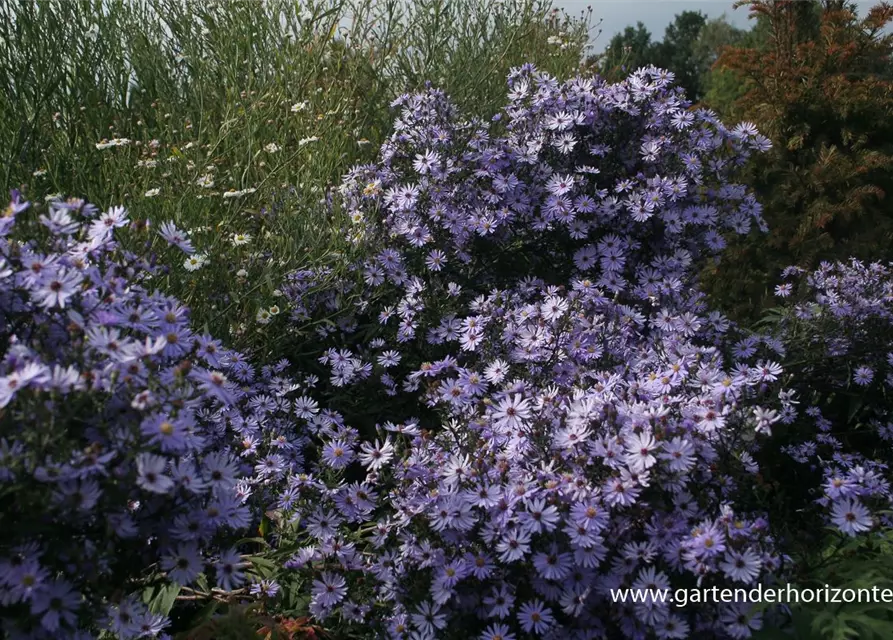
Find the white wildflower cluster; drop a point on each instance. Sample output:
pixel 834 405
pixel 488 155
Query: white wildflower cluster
pixel 558 41
pixel 232 193
pixel 114 142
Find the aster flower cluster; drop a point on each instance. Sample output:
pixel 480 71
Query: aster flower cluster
pixel 621 177
pixel 571 456
pixel 536 407
pixel 133 450
pixel 518 401
pixel 839 328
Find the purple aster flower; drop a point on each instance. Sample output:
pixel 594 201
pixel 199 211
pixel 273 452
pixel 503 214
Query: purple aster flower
pixel 183 564
pixel 500 602
pixel 553 565
pixel 216 385
pixel 497 632
pixel 151 473
pixel 513 546
pixel 166 432
pixel 480 565
pixel 24 579
pixel 55 289
pixel 377 455
pixel 169 232
pixel 511 412
pixel 186 475
pixel 539 517
pixel 851 517
pixel 267 588
pixel 150 625
pixel 114 218
pixel 863 376
pixel 329 589
pixel 56 603
pixel 742 567
pixel 220 470
pixel 321 524
pixel 338 454
pixel 535 617
pixel 740 622
pixel 124 617
pixel 428 618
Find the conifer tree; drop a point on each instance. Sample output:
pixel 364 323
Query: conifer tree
pixel 822 90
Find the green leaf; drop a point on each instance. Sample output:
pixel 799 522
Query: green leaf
pixel 264 566
pixel 164 598
pixel 148 594
pixel 202 582
pixel 259 541
pixel 265 526
pixel 262 562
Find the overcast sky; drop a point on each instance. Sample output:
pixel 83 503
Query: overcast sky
pixel 656 14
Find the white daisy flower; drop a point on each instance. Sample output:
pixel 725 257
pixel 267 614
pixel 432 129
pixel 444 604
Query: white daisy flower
pixel 195 262
pixel 205 181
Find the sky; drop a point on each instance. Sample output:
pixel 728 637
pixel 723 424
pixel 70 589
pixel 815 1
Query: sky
pixel 655 14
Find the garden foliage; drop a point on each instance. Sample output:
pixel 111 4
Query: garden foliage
pixel 821 88
pixel 515 400
pixel 233 117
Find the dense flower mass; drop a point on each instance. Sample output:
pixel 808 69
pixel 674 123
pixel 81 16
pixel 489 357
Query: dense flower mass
pixel 573 455
pixel 518 400
pixel 133 450
pixel 563 419
pixel 623 178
